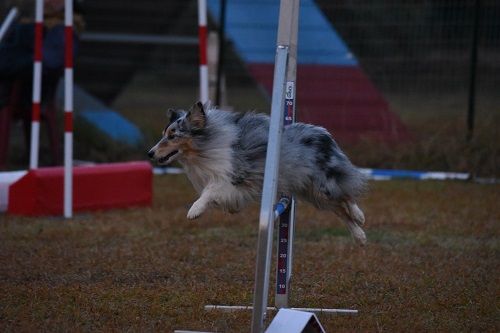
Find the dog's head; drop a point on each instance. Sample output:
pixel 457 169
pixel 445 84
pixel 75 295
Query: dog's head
pixel 177 137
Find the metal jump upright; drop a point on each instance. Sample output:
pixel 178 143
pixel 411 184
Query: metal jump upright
pixel 68 99
pixel 282 114
pixel 37 85
pixel 284 68
pixel 202 41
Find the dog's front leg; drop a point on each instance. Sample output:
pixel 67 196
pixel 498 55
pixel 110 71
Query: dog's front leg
pixel 201 204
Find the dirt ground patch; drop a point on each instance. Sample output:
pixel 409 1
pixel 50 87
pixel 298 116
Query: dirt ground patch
pixel 432 264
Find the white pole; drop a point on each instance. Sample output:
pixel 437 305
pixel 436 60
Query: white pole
pixel 37 85
pixel 68 109
pixel 202 35
pixel 266 221
pixel 11 16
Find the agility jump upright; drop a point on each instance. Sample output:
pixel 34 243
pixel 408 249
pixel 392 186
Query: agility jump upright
pixel 284 77
pixel 283 107
pixel 283 104
pixel 68 99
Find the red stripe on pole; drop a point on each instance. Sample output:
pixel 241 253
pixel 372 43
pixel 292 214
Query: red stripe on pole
pixel 202 34
pixel 68 122
pixel 38 41
pixel 35 112
pixel 68 46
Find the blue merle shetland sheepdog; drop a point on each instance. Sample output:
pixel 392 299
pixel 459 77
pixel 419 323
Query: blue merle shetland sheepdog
pixel 223 154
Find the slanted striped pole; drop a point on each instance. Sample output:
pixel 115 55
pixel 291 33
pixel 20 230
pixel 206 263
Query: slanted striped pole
pixel 37 85
pixel 202 35
pixel 68 108
pixel 7 23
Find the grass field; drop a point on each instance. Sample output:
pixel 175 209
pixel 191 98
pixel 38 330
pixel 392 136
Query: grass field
pixel 432 264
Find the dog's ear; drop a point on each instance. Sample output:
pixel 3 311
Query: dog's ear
pixel 172 115
pixel 197 117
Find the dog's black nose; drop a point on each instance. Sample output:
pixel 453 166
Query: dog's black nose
pixel 151 154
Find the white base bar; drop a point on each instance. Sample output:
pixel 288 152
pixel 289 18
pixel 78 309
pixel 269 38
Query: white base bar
pixel 233 308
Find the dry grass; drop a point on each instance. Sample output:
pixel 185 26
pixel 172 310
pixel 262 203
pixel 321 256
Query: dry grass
pixel 432 264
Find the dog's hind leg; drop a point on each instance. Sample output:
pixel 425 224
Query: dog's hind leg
pixel 352 219
pixel 354 212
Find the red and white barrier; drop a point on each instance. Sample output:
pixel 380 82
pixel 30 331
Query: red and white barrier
pixel 202 35
pixel 37 85
pixel 68 108
pixel 115 185
pixel 49 191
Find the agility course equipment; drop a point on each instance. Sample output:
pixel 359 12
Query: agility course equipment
pixel 68 98
pixel 7 23
pixel 116 185
pixel 283 91
pixel 334 90
pixel 282 113
pixel 49 191
pixel 202 35
pixel 37 85
pixel 68 108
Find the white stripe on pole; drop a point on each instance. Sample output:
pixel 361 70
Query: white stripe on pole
pixel 203 83
pixel 202 35
pixel 68 175
pixel 68 110
pixel 35 135
pixel 8 22
pixel 37 85
pixel 202 13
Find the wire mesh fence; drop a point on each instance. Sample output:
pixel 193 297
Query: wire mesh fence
pixel 416 53
pixel 405 47
pixel 422 49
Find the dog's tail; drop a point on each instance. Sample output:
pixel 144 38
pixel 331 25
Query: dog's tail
pixel 352 182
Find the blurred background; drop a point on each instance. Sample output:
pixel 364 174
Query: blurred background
pixel 398 83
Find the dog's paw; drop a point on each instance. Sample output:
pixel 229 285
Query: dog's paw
pixel 357 233
pixel 360 237
pixel 357 214
pixel 195 211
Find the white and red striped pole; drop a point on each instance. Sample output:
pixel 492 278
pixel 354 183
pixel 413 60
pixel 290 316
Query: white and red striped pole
pixel 37 85
pixel 68 108
pixel 202 35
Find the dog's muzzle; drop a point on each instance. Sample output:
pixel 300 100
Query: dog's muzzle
pixel 164 159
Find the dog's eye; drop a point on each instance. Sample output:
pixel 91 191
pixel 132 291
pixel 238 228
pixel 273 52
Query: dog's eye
pixel 171 134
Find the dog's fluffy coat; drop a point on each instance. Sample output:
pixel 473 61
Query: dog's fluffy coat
pixel 223 154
